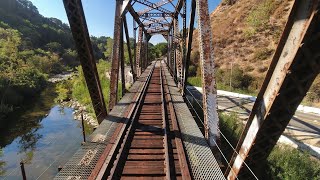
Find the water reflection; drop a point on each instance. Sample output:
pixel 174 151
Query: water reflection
pixel 43 136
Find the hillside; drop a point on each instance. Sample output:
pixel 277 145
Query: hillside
pixel 246 34
pixel 36 30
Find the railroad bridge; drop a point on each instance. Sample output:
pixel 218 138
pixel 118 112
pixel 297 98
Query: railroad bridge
pixel 150 133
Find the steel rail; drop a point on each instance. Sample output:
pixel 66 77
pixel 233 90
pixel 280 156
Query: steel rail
pixel 165 128
pixel 125 135
pixel 184 165
pixel 104 163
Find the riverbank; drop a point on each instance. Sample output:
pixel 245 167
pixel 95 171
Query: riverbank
pixel 79 111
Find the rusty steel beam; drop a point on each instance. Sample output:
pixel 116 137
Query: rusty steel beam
pixel 153 5
pixel 158 4
pixel 165 36
pixel 172 54
pixel 177 10
pixel 295 65
pixel 124 6
pixel 123 81
pixel 157 32
pixel 157 15
pixel 138 53
pixel 155 20
pixel 189 48
pixel 156 24
pixel 135 16
pixel 207 64
pixel 81 37
pixel 178 53
pixel 184 38
pixel 135 47
pixel 115 56
pixel 124 18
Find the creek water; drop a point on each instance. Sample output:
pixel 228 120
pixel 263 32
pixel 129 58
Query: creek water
pixel 43 134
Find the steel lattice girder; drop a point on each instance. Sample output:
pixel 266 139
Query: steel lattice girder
pixel 157 15
pixel 178 53
pixel 207 64
pixel 158 4
pixel 294 67
pixel 153 5
pixel 153 24
pixel 125 26
pixel 172 52
pixel 190 36
pixel 138 53
pixel 81 37
pixel 115 56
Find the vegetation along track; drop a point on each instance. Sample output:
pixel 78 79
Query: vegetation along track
pixel 152 146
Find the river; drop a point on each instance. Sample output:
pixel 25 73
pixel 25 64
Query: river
pixel 42 134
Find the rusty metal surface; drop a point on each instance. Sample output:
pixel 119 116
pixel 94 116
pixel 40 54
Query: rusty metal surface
pixel 121 49
pixel 203 164
pixel 211 119
pixel 97 142
pixel 80 34
pixel 175 129
pixel 125 26
pixel 178 51
pixel 153 6
pixel 149 148
pixel 157 4
pixel 115 58
pixel 294 67
pixel 138 51
pixel 190 36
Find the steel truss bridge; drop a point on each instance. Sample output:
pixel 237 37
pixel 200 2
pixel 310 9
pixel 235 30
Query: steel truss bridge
pixel 150 133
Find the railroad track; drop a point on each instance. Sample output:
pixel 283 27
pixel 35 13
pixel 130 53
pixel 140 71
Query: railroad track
pixel 151 147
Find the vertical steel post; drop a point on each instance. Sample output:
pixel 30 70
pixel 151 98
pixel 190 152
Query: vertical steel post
pixel 123 81
pixel 138 52
pixel 190 36
pixel 178 60
pixel 168 49
pixel 81 37
pixel 115 56
pixel 83 129
pixel 135 47
pixel 211 119
pixel 184 38
pixel 23 172
pixel 172 53
pixel 128 46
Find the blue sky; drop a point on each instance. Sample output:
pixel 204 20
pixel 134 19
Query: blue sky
pixel 99 15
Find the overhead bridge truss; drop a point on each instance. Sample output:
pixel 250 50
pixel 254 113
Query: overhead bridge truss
pixel 295 65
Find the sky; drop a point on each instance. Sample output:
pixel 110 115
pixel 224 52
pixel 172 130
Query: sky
pixel 99 15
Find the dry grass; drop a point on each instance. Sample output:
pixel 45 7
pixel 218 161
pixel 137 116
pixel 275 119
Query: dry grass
pixel 237 41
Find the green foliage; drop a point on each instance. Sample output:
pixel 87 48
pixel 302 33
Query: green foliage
pixel 37 31
pixel 239 79
pixel 192 71
pixel 285 162
pixel 262 54
pixel 195 81
pixel 258 18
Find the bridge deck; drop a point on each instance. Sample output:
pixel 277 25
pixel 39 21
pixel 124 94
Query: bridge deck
pixel 147 155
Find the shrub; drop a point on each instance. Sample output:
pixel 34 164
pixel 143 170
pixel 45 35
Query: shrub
pixel 259 17
pixel 192 71
pixel 285 162
pixel 263 53
pixel 195 81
